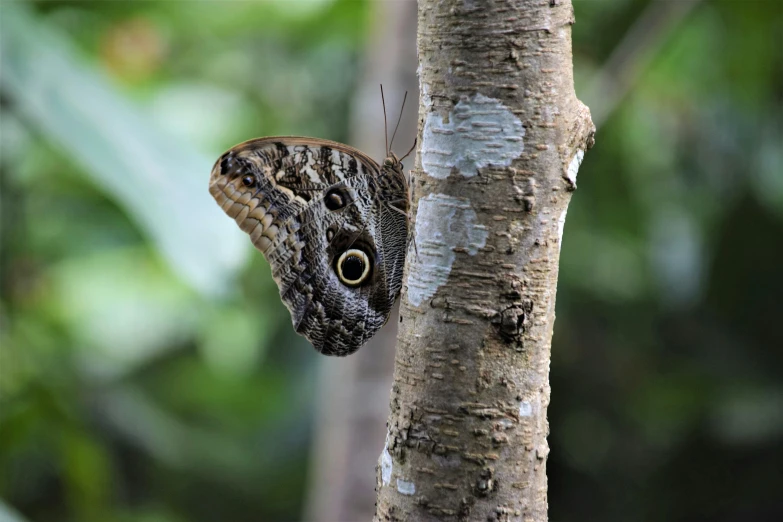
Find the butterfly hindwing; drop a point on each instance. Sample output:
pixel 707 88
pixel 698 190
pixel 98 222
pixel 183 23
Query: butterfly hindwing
pixel 320 213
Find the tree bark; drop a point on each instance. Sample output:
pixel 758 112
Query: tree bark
pixel 501 137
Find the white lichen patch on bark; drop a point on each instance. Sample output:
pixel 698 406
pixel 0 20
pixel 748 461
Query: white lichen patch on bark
pixel 573 168
pixel 561 228
pixel 405 487
pixel 525 409
pixel 386 464
pixel 443 224
pixel 478 132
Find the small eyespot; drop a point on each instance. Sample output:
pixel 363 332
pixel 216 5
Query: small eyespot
pixel 248 180
pixel 329 234
pixel 334 199
pixel 353 267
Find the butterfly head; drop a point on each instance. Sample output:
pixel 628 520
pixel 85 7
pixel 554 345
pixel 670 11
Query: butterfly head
pixel 392 162
pixel 393 177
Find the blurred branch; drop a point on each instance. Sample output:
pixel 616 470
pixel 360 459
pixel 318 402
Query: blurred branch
pixel 160 182
pixel 633 55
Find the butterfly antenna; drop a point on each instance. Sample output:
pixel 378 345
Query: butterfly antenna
pixel 385 126
pixel 415 140
pixel 398 120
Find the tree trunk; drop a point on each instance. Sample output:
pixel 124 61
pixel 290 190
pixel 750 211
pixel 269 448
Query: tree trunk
pixel 501 137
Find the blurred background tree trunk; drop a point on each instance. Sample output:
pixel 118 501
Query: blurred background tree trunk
pixel 501 136
pixel 354 391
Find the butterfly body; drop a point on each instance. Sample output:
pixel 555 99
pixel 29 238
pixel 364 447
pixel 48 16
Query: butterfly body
pixel 332 224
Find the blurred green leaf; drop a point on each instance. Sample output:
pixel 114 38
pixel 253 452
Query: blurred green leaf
pixel 748 416
pixel 232 339
pixel 159 180
pixel 87 467
pixel 122 308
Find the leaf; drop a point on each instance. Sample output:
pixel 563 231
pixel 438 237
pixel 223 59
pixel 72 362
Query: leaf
pixel 159 181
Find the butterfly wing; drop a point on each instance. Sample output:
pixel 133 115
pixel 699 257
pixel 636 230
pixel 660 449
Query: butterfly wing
pixel 318 211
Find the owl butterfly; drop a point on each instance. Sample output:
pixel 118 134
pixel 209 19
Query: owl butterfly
pixel 331 222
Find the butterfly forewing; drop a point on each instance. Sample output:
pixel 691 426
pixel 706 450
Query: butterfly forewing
pixel 312 206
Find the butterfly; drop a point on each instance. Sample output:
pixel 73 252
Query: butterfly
pixel 333 225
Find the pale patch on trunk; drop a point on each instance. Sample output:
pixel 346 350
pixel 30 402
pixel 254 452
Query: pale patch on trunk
pixel 560 228
pixel 405 487
pixel 478 132
pixel 386 463
pixel 573 168
pixel 443 224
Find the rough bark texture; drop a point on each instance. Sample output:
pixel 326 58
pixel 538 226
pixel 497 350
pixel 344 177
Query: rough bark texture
pixel 501 137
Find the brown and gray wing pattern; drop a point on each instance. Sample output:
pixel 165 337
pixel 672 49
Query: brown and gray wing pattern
pixel 305 202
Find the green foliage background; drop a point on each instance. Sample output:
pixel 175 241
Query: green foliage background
pixel 148 371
